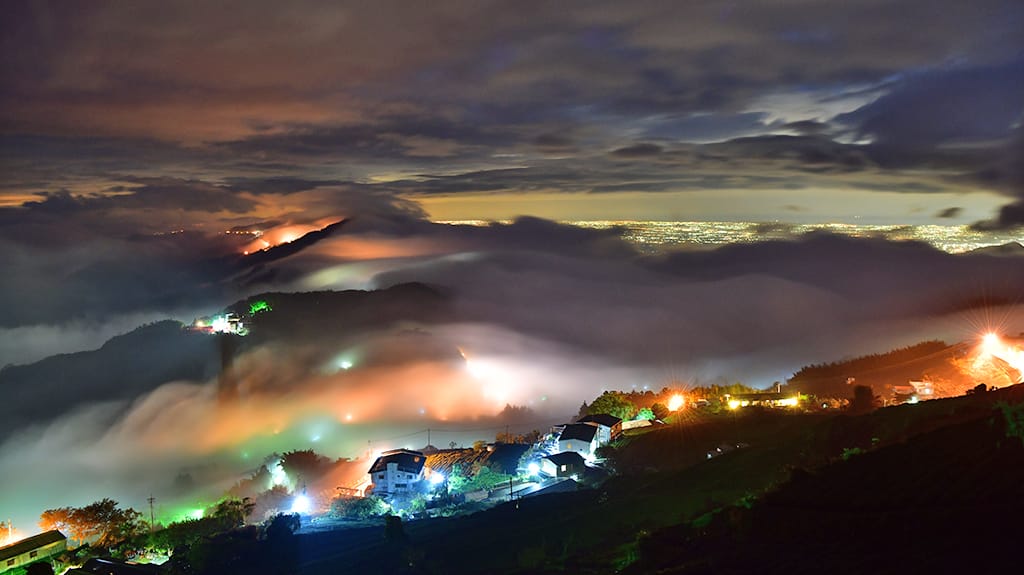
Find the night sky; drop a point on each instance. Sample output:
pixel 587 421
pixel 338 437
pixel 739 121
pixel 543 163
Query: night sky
pixel 154 117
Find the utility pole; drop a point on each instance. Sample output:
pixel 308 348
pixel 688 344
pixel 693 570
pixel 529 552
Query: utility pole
pixel 428 437
pixel 152 521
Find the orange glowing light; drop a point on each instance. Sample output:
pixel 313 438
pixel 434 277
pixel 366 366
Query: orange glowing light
pixel 9 535
pixel 990 342
pixel 995 351
pixel 676 402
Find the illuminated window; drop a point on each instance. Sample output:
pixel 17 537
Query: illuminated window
pixel 568 445
pixel 563 467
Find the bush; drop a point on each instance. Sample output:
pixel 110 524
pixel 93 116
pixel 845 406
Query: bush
pixel 358 507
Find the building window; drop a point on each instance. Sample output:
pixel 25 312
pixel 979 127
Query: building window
pixel 401 485
pixel 32 554
pixel 10 562
pixel 563 468
pixel 568 445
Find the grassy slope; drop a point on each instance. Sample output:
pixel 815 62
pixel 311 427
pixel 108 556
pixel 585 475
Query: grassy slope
pixel 595 531
pixel 944 499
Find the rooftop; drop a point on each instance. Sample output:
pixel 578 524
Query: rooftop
pixel 601 418
pixel 566 458
pixel 408 460
pixel 578 431
pixel 30 543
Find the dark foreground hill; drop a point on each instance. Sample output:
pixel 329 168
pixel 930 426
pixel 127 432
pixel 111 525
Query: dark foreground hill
pixel 902 490
pixel 945 501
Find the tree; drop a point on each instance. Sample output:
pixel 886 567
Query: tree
pixel 584 411
pixel 102 522
pixel 645 413
pixel 660 410
pixel 233 511
pixel 358 507
pixel 270 502
pixel 864 399
pixel 612 403
pixel 305 464
pixel 282 525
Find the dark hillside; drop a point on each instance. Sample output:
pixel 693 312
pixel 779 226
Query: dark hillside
pixel 943 501
pixel 132 364
pixel 927 360
pixel 925 475
pixel 337 315
pixel 124 367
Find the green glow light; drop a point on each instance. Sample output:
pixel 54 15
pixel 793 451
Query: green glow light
pixel 195 514
pixel 259 306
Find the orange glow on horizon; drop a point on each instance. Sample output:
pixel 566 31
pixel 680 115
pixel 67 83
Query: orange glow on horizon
pixel 9 535
pixel 284 234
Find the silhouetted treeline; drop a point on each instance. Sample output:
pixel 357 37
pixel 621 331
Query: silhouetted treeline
pixel 853 367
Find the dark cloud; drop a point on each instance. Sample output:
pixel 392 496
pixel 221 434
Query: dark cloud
pixel 935 107
pixel 277 185
pixel 803 150
pixel 642 150
pixel 1010 216
pixel 949 212
pixel 555 143
pixel 807 127
pixel 817 290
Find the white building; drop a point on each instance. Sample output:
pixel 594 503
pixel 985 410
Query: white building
pixel 32 549
pixel 608 426
pixel 579 437
pixel 565 464
pixel 397 472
